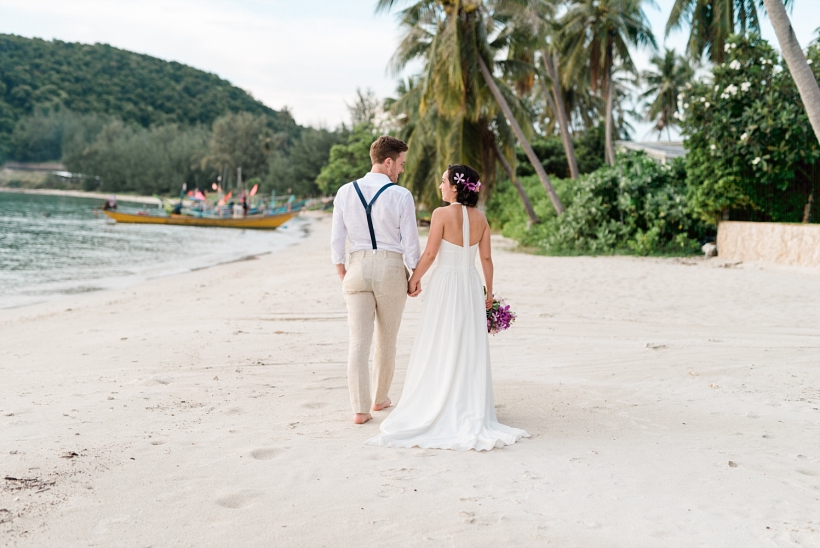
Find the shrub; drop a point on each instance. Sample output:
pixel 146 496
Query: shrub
pixel 750 147
pixel 589 152
pixel 636 207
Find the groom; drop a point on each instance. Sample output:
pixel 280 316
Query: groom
pixel 379 219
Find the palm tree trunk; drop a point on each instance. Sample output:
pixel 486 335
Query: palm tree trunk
pixel 519 133
pixel 514 180
pixel 796 61
pixel 609 151
pixel 551 64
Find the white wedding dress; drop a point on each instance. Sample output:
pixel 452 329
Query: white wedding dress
pixel 447 402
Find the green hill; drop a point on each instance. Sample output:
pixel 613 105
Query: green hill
pixel 102 79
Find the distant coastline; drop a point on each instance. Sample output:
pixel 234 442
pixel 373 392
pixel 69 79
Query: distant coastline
pixel 82 194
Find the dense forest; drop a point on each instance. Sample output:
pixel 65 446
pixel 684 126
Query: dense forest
pixel 105 80
pixel 135 123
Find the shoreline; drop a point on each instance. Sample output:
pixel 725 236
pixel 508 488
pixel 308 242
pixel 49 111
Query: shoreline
pixel 82 194
pixel 112 265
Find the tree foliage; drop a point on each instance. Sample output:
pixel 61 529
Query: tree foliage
pixel 348 161
pixel 297 168
pixel 448 113
pixel 52 130
pixel 589 150
pixel 596 36
pixel 158 160
pixel 102 79
pixel 241 140
pixel 667 78
pixel 749 143
pixel 712 22
pixel 133 123
pixel 636 207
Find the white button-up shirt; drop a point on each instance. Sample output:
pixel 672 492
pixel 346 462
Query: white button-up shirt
pixel 394 220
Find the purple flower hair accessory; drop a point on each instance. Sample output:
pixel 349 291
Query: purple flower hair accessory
pixel 467 183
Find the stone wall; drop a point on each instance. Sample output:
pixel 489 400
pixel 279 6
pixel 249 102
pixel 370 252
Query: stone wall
pixel 791 244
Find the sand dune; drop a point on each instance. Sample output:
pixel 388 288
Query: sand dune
pixel 671 402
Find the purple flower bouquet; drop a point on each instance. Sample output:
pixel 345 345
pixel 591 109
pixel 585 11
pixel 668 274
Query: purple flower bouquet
pixel 499 317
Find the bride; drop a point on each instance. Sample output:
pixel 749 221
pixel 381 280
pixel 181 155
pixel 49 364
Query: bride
pixel 447 401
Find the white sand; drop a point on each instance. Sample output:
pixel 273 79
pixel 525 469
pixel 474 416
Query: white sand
pixel 671 402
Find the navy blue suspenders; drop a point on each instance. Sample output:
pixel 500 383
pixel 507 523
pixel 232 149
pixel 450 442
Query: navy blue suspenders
pixel 368 208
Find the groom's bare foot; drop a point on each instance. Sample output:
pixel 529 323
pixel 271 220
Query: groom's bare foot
pixel 383 405
pixel 361 418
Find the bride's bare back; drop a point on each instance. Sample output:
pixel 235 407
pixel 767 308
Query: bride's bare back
pixel 451 218
pixel 446 225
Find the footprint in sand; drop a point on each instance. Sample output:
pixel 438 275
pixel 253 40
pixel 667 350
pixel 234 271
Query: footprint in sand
pixel 400 473
pixel 815 473
pixel 265 454
pixel 233 411
pixel 315 405
pixel 153 381
pixel 468 517
pixel 390 490
pixel 243 499
pixel 158 442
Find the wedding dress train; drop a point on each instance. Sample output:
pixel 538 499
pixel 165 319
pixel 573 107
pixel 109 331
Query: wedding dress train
pixel 447 402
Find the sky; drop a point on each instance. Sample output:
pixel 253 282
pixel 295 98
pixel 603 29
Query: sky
pixel 309 56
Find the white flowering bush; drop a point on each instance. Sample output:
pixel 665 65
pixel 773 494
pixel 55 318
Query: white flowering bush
pixel 636 207
pixel 749 142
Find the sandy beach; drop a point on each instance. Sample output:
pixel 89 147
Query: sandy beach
pixel 671 402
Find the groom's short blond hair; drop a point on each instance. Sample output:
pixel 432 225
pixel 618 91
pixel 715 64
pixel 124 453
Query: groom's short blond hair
pixel 386 147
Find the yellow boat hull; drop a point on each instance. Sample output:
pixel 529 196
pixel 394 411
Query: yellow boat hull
pixel 251 221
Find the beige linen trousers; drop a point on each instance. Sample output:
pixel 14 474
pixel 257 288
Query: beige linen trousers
pixel 375 289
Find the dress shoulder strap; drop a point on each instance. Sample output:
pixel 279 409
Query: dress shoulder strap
pixel 465 237
pixel 465 227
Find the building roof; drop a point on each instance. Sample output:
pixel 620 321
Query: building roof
pixel 662 151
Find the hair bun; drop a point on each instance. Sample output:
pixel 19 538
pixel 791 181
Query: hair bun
pixel 467 182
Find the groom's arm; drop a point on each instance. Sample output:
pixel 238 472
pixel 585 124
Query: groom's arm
pixel 338 236
pixel 409 232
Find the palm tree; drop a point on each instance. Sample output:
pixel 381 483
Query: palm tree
pixel 471 109
pixel 598 34
pixel 525 200
pixel 711 22
pixel 535 19
pixel 671 73
pixel 418 130
pixel 550 59
pixel 796 61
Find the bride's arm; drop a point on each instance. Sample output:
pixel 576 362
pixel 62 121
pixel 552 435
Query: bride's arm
pixel 429 255
pixel 485 253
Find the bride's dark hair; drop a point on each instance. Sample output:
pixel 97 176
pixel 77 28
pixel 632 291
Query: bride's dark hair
pixel 466 180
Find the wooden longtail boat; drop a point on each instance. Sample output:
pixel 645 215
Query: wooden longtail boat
pixel 249 221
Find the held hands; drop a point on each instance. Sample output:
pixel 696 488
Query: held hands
pixel 413 286
pixel 488 300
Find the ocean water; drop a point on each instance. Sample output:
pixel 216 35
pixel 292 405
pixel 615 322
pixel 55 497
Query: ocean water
pixel 52 246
